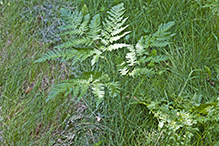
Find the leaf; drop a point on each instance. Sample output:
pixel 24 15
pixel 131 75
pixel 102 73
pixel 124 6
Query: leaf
pixel 83 90
pixel 117 46
pixel 95 57
pixel 165 27
pixel 203 108
pixel 140 47
pixel 98 91
pixel 58 89
pixel 131 57
pixel 116 38
pixel 153 53
pixel 141 71
pixel 95 28
pixel 113 25
pixel 123 71
pixel 114 89
pixel 52 55
pixel 119 30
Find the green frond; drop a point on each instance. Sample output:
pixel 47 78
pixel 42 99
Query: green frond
pixel 117 46
pixel 77 87
pixel 131 57
pixel 52 55
pixel 114 89
pixel 98 91
pixel 164 27
pixel 117 11
pixel 84 25
pixel 139 55
pixel 160 58
pixel 124 71
pixel 140 47
pixel 118 37
pixel 105 37
pixel 95 57
pixel 72 29
pixel 77 54
pixel 70 20
pixel 113 29
pixel 95 28
pixel 60 88
pixel 141 71
pixel 159 44
pixel 75 43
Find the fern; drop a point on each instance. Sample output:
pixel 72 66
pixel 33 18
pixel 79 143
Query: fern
pixel 84 33
pixel 113 29
pixel 139 55
pixel 78 87
pixel 90 38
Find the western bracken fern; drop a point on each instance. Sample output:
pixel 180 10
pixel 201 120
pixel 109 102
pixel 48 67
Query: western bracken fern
pixel 91 38
pixel 88 38
pixel 140 55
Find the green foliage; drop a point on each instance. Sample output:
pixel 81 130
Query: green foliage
pixel 167 93
pixel 140 55
pixel 91 39
pixel 83 42
pixel 84 35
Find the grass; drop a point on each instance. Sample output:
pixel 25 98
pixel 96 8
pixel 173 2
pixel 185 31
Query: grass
pixel 27 30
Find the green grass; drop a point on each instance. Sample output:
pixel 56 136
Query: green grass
pixel 28 29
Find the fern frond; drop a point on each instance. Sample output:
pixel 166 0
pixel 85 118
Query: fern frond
pixel 73 86
pixel 119 27
pixel 95 28
pixel 114 89
pixel 79 54
pixel 117 12
pixel 117 46
pixel 160 58
pixel 71 20
pixel 131 57
pixel 164 27
pixel 140 47
pixel 95 57
pixel 113 26
pixel 98 91
pixel 52 55
pixel 118 37
pixel 139 55
pixel 141 71
pixel 80 86
pixel 159 44
pixel 124 71
pixel 75 43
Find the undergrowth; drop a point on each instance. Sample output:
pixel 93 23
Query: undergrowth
pixel 131 73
